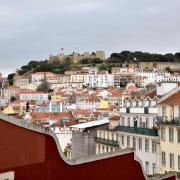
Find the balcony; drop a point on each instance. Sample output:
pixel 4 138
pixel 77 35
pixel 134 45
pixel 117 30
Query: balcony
pixel 107 142
pixel 138 130
pixel 164 120
pixel 176 120
pixel 161 119
pixel 139 110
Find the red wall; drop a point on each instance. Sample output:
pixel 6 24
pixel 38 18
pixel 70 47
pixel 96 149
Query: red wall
pixel 35 156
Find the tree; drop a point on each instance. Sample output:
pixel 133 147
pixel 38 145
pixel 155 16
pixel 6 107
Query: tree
pixel 177 57
pixel 10 78
pixel 49 97
pixel 13 99
pixel 96 61
pixel 50 90
pixel 44 86
pixel 84 61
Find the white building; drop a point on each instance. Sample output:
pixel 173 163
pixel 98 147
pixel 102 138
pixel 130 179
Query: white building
pixel 158 76
pixel 106 141
pixel 101 80
pixel 39 77
pixel 137 129
pixel 34 96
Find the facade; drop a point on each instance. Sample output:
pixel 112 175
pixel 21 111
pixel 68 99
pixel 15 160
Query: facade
pixel 88 103
pixel 137 129
pixel 169 130
pixel 20 82
pixel 34 96
pixel 122 76
pixel 83 138
pixel 156 76
pixel 80 78
pixel 106 141
pixel 38 78
pixel 101 80
pixel 8 92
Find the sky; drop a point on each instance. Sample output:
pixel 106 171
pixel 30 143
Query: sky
pixel 34 29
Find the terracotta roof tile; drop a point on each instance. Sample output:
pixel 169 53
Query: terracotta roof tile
pixel 172 100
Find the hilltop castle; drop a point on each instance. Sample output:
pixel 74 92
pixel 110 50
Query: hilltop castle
pixel 76 57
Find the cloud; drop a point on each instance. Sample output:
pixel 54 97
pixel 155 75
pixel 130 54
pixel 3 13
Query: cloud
pixel 33 29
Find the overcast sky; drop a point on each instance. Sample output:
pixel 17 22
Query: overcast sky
pixel 33 29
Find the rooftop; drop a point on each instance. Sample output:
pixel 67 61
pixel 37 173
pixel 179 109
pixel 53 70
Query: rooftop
pixel 91 124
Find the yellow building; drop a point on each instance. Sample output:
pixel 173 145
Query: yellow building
pixel 9 110
pixel 80 78
pixel 104 104
pixel 56 97
pixel 169 128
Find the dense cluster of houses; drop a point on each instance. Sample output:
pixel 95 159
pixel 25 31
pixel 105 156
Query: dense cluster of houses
pixel 96 112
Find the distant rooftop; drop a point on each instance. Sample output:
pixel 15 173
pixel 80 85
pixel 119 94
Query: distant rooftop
pixel 91 124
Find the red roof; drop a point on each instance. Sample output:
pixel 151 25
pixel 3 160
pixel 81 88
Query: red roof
pixel 172 100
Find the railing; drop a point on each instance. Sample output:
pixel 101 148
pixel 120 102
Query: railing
pixel 142 110
pixel 164 120
pixel 176 120
pixel 138 130
pixel 107 141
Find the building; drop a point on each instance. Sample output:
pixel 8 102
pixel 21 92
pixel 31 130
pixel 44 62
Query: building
pixel 39 77
pixel 101 80
pixel 83 137
pixel 169 130
pixel 34 96
pixel 106 141
pixel 76 57
pixel 20 81
pixel 137 129
pixel 122 76
pixel 80 78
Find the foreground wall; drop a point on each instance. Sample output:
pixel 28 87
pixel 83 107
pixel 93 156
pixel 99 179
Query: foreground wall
pixel 32 155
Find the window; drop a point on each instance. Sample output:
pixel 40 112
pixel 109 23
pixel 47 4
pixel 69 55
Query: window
pixel 154 122
pixel 102 149
pixel 140 122
pixel 134 142
pixel 171 161
pixel 107 149
pixel 171 134
pixel 154 168
pixel 128 141
pixel 163 159
pixel 163 134
pixel 140 144
pixel 154 148
pixel 122 140
pixel 179 162
pixel 178 135
pixel 163 111
pixel 122 121
pixel 128 121
pixel 113 136
pixel 147 167
pixel 146 145
pixel 147 122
